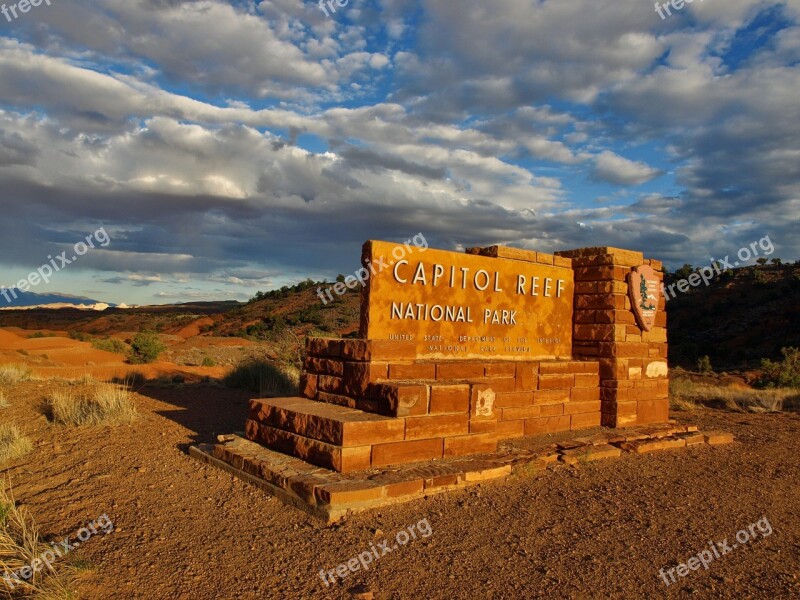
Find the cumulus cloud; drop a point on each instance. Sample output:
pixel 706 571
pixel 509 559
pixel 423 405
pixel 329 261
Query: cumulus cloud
pixel 614 168
pixel 230 147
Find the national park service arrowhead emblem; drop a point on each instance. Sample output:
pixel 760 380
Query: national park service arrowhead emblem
pixel 643 290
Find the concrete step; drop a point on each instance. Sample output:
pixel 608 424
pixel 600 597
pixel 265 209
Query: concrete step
pixel 390 399
pixel 329 456
pixel 328 423
pixel 346 439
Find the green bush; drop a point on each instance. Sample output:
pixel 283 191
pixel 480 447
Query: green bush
pixel 263 377
pixel 784 373
pixel 146 347
pixel 80 336
pixel 209 362
pixel 704 364
pixel 111 345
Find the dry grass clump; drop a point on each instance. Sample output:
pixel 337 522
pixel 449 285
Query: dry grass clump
pixel 100 403
pixel 686 395
pixel 264 377
pixel 15 373
pixel 680 395
pixel 13 443
pixel 19 547
pixel 84 379
pixel 3 400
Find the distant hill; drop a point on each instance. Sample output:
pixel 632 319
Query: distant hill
pixel 743 315
pixel 14 297
pixel 298 309
pixel 169 318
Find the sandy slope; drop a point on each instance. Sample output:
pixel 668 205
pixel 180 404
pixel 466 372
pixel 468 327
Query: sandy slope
pixel 65 357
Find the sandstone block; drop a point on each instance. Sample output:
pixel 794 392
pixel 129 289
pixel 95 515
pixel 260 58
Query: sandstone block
pixel 348 492
pixel 551 396
pixel 455 371
pixel 508 369
pixel 436 426
pixel 591 406
pixel 716 438
pixel 527 376
pixel 547 425
pixel 412 371
pixel 406 452
pixel 589 454
pixel 470 444
pixel 449 399
pixel 508 430
pixel 585 420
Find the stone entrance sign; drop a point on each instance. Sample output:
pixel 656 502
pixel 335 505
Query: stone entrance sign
pixel 459 350
pixel 467 306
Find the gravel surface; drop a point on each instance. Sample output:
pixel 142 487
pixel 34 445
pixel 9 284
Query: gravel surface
pixel 602 530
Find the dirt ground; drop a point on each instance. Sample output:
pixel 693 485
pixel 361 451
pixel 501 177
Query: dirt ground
pixel 603 530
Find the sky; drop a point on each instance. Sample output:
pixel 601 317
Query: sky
pixel 231 147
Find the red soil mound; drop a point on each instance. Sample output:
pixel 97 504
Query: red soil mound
pixel 193 328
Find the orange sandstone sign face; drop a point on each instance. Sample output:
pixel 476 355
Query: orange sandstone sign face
pixel 455 305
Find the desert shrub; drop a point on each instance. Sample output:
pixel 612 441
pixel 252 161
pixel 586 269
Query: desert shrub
pixel 134 379
pixel 19 546
pixel 146 347
pixel 35 336
pixel 264 377
pixel 111 345
pixel 15 373
pixel 268 329
pixel 3 400
pixel 80 336
pixel 13 443
pixel 784 373
pixel 311 315
pixel 99 404
pixel 209 362
pixel 680 395
pixel 704 364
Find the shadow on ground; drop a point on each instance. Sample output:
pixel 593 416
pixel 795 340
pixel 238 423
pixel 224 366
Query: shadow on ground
pixel 205 410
